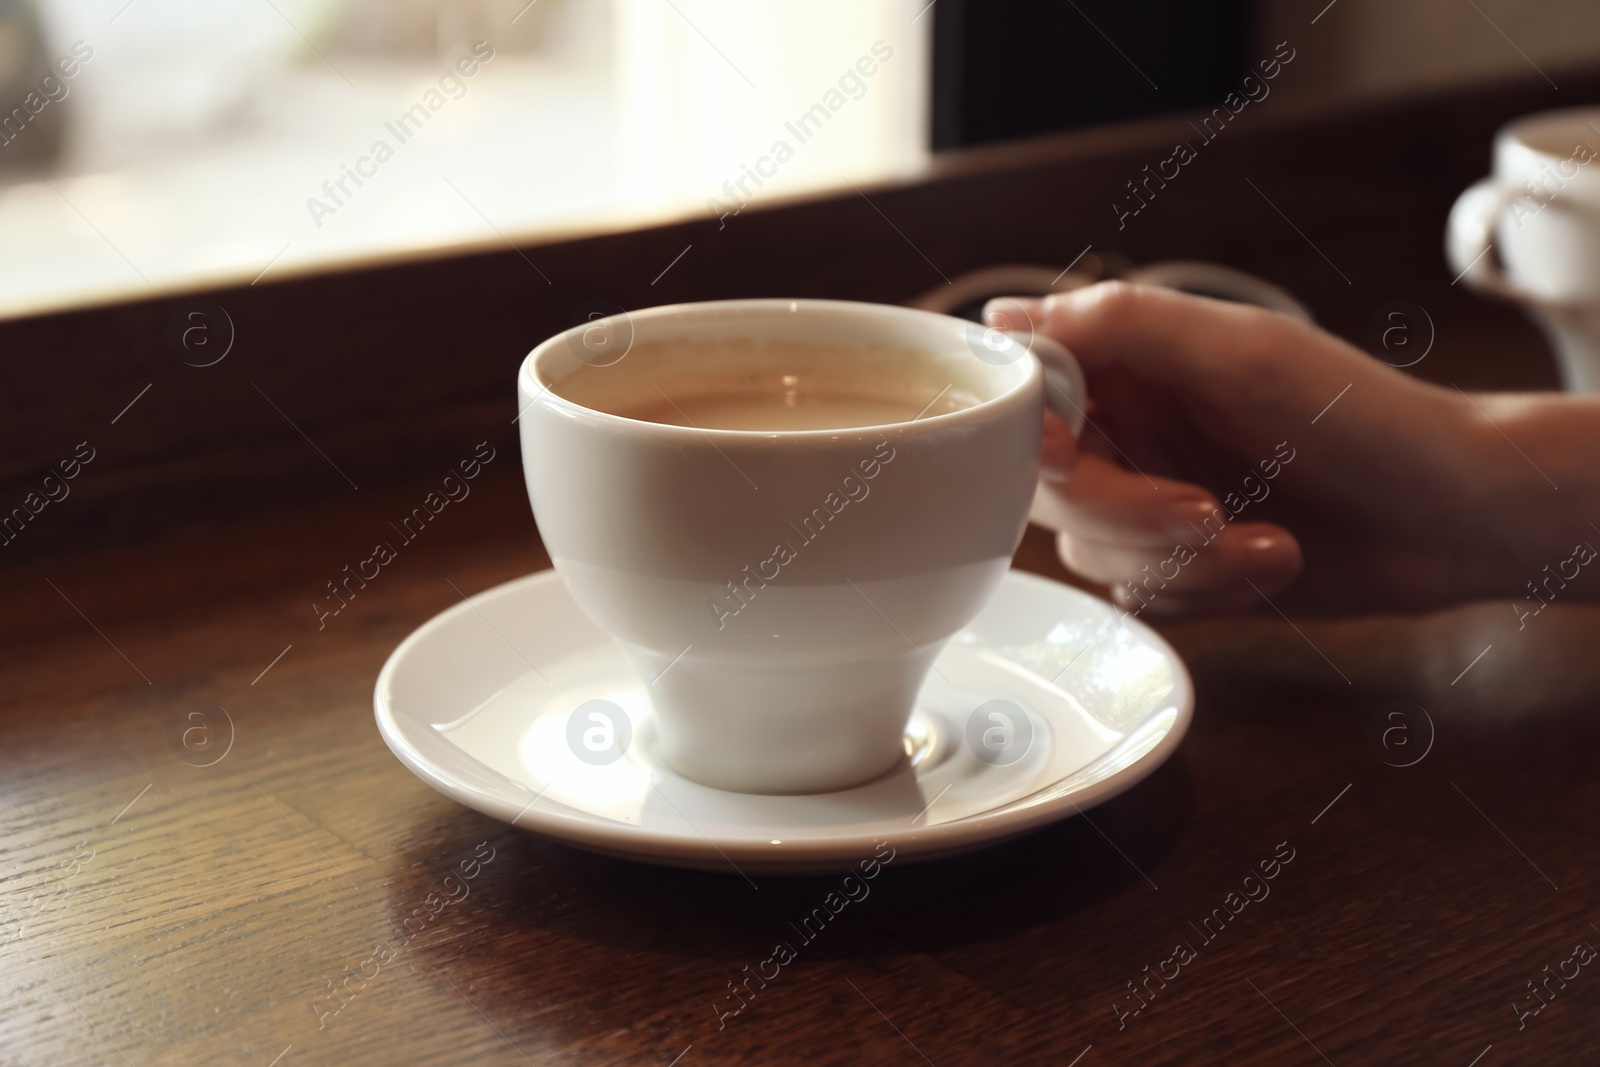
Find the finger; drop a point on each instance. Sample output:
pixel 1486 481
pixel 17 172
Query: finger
pixel 1102 502
pixel 1227 600
pixel 1253 551
pixel 1216 562
pixel 1166 336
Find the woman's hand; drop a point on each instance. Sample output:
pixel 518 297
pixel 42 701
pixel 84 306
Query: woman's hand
pixel 1234 455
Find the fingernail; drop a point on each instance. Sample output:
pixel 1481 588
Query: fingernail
pixel 1270 550
pixel 1013 312
pixel 1186 520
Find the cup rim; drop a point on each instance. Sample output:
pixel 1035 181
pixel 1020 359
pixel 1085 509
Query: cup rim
pixel 529 377
pixel 1519 132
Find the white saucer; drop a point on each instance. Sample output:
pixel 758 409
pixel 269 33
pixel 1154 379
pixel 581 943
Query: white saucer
pixel 477 702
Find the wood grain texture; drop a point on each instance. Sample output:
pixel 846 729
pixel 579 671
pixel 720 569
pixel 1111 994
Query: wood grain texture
pixel 160 912
pixel 214 911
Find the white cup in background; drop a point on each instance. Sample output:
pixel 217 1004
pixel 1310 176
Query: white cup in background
pixel 1531 233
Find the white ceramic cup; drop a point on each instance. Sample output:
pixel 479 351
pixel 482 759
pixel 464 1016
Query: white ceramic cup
pixel 1531 233
pixel 803 679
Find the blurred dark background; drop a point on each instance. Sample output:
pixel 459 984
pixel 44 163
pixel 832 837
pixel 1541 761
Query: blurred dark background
pixel 1016 68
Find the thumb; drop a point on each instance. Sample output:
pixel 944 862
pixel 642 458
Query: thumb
pixel 1163 335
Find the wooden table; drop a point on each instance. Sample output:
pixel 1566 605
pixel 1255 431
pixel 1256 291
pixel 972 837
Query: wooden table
pixel 164 912
pixel 160 911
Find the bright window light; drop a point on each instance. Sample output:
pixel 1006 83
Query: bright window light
pixel 208 142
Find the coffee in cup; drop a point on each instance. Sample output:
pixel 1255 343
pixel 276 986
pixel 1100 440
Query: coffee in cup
pixel 751 384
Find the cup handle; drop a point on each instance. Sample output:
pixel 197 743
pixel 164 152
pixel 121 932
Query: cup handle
pixel 1065 392
pixel 1469 238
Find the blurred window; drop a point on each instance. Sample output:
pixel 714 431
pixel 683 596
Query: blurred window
pixel 163 145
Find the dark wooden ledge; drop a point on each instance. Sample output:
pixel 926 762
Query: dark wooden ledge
pixel 390 370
